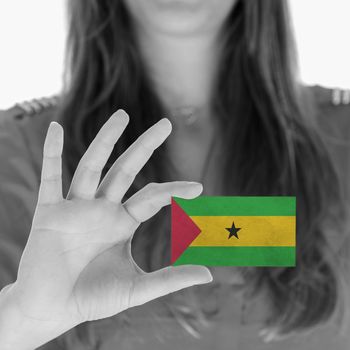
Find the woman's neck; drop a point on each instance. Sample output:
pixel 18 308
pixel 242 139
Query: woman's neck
pixel 181 68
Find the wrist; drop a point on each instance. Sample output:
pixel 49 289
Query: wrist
pixel 12 329
pixel 18 330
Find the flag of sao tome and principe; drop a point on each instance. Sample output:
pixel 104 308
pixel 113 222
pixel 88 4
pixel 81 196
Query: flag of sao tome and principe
pixel 233 231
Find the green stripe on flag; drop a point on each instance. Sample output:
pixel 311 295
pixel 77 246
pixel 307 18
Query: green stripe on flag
pixel 238 256
pixel 238 206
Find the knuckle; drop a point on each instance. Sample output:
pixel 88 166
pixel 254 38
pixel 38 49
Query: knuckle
pixel 50 156
pixel 125 173
pixel 104 142
pixel 146 143
pixel 80 193
pixel 166 275
pixel 154 207
pixel 51 149
pixel 151 186
pixel 52 178
pixel 131 295
pixel 150 191
pixel 90 167
pixel 148 147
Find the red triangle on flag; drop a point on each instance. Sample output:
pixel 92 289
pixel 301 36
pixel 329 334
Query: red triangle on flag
pixel 183 231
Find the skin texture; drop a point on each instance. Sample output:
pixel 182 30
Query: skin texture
pixel 77 264
pixel 180 17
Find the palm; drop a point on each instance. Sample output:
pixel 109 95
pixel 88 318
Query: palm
pixel 90 256
pixel 105 286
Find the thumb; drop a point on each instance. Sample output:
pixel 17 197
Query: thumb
pixel 167 280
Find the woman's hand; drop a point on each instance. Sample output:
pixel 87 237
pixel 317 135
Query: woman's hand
pixel 77 264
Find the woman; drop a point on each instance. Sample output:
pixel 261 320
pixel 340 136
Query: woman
pixel 223 72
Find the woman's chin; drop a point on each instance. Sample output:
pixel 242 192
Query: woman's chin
pixel 184 17
pixel 179 5
pixel 180 19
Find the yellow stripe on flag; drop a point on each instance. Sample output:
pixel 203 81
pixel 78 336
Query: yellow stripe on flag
pixel 254 231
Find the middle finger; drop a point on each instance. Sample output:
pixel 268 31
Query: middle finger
pixel 123 172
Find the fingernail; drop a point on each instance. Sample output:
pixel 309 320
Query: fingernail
pixel 55 129
pixel 208 276
pixel 165 123
pixel 121 115
pixel 196 186
pixel 55 125
pixel 193 183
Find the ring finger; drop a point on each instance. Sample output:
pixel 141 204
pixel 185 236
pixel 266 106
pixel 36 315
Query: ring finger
pixel 88 173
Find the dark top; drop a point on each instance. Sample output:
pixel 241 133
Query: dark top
pixel 22 132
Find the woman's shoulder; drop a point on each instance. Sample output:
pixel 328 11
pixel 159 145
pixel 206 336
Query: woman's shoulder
pixel 332 106
pixel 24 125
pixel 22 133
pixel 330 97
pixel 332 110
pixel 34 112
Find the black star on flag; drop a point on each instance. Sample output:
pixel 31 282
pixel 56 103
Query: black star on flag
pixel 233 230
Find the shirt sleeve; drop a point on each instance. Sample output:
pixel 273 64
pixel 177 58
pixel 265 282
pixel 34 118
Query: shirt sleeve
pixel 19 183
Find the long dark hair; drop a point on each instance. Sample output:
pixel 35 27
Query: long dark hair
pixel 271 145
